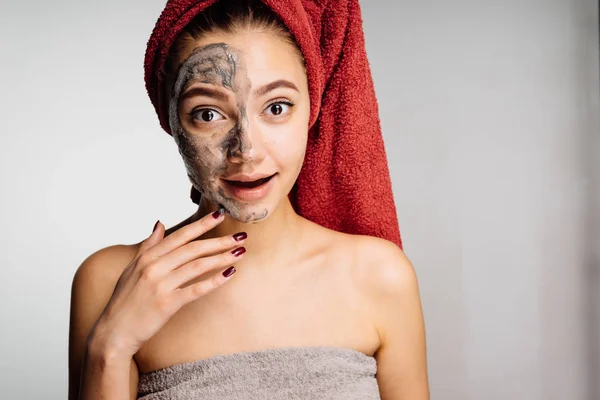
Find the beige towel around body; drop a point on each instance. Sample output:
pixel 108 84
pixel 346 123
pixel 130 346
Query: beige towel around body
pixel 307 373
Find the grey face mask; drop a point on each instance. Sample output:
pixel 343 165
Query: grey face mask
pixel 205 156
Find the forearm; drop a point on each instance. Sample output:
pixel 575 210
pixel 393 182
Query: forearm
pixel 105 375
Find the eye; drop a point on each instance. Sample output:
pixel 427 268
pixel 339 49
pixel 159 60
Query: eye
pixel 206 115
pixel 279 108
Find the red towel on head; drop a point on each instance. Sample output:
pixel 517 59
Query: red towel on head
pixel 344 183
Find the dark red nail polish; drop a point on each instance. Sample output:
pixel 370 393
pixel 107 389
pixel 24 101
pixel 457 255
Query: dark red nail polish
pixel 239 251
pixel 155 225
pixel 240 236
pixel 217 213
pixel 229 271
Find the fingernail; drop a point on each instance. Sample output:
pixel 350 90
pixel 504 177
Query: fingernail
pixel 240 236
pixel 229 271
pixel 155 225
pixel 218 213
pixel 239 251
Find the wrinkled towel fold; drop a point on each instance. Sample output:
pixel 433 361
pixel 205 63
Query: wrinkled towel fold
pixel 307 373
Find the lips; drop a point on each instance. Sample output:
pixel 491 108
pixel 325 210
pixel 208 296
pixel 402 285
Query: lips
pixel 246 189
pixel 248 183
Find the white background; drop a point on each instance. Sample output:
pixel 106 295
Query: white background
pixel 490 117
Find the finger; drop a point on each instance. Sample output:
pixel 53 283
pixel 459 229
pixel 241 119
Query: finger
pixel 201 266
pixel 197 249
pixel 157 234
pixel 199 289
pixel 187 234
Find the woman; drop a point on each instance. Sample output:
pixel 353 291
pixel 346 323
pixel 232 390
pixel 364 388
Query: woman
pixel 307 311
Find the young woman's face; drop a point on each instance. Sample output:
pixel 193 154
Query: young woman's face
pixel 239 111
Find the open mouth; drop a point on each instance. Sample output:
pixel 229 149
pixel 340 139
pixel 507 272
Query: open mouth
pixel 251 184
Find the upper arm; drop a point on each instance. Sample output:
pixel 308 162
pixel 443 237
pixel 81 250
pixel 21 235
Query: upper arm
pixel 394 293
pixel 92 287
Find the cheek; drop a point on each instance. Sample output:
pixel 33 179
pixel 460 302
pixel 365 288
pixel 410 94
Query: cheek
pixel 288 145
pixel 201 157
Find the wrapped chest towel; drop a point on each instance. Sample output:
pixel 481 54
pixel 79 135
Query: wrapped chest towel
pixel 307 373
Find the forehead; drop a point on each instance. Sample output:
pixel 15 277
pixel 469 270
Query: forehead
pixel 263 57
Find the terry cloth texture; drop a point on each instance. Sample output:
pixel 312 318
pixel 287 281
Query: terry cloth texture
pixel 303 373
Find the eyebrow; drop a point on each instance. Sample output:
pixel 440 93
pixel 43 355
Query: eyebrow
pixel 206 92
pixel 261 91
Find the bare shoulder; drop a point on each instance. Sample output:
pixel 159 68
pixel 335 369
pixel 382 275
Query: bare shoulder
pixel 378 269
pixel 382 278
pixel 378 266
pixel 388 281
pixel 107 263
pixel 386 278
pixel 93 284
pixel 381 266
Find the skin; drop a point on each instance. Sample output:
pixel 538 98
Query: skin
pixel 205 157
pixel 360 291
pixel 215 75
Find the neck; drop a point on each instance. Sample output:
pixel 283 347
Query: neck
pixel 270 241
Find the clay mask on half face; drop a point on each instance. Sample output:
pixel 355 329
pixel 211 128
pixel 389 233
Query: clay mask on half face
pixel 206 155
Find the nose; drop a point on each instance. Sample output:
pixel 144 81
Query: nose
pixel 246 145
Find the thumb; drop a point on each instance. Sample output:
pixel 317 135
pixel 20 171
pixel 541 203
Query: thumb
pixel 158 233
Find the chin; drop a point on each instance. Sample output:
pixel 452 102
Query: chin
pixel 249 214
pixel 242 211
